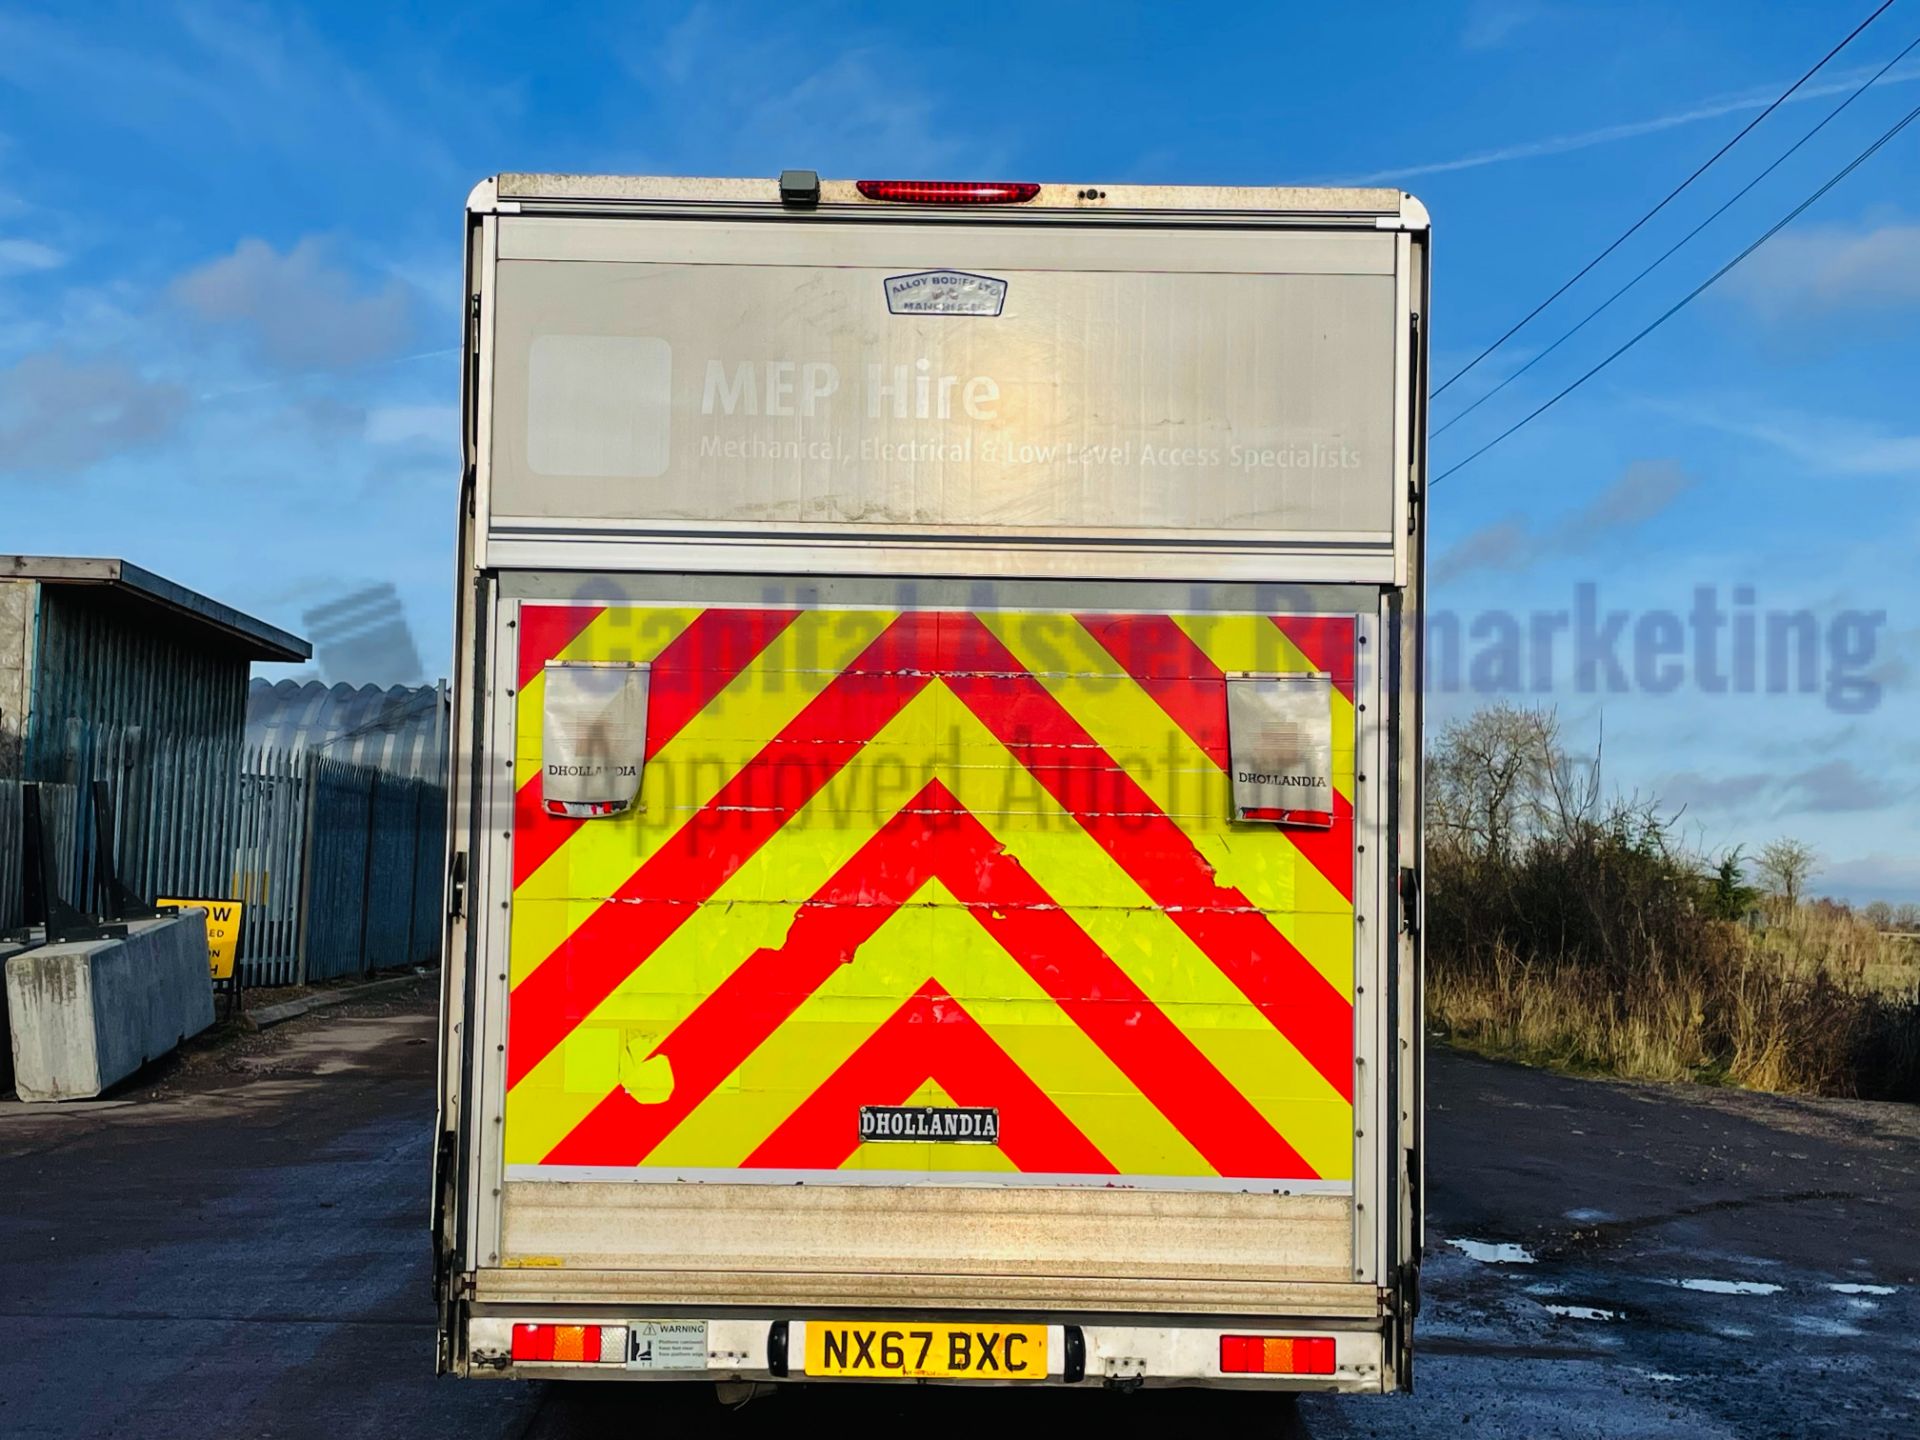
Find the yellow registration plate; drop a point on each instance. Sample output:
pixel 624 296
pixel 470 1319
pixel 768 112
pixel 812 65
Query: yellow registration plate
pixel 896 1349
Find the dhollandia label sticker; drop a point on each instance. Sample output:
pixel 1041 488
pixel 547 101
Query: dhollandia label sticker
pixel 1280 740
pixel 950 1124
pixel 945 292
pixel 593 736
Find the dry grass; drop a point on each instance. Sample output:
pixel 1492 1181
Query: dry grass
pixel 1775 1012
pixel 1546 1014
pixel 1811 938
pixel 1572 928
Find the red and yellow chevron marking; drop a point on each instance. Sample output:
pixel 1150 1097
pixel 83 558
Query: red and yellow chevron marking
pixel 933 857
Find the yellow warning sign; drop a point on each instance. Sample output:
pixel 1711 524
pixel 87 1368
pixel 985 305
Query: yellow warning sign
pixel 223 932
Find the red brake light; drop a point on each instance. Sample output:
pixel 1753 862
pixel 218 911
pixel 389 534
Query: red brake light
pixel 1276 1355
pixel 948 192
pixel 570 1344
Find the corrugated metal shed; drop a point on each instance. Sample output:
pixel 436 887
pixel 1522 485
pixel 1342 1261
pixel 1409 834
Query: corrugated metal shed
pixel 401 730
pixel 95 642
pixel 110 672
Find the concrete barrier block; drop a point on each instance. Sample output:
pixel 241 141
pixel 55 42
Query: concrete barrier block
pixel 85 1015
pixel 7 948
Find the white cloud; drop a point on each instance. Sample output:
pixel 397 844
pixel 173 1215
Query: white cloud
pixel 434 277
pixel 1644 491
pixel 680 51
pixel 10 203
pixel 1876 876
pixel 1832 787
pixel 1899 661
pixel 43 57
pixel 297 311
pixel 853 105
pixel 1492 23
pixel 19 257
pixel 60 413
pixel 259 77
pixel 760 96
pixel 1713 793
pixel 1713 109
pixel 1840 787
pixel 414 424
pixel 1832 269
pixel 1826 444
pixel 1503 545
pixel 279 58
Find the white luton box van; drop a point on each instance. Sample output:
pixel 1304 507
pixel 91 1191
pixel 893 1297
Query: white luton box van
pixel 935 864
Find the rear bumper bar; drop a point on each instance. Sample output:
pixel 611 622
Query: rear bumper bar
pixel 1091 1354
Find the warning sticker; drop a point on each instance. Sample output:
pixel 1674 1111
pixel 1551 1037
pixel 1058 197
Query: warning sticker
pixel 667 1345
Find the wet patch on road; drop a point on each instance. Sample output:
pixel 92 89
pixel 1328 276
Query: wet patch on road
pixel 1732 1269
pixel 1492 1252
pixel 1611 1351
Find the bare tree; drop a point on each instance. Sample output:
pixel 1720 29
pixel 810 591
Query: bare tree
pixel 1786 865
pixel 1493 776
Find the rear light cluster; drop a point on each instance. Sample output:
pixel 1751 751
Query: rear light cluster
pixel 571 1344
pixel 570 809
pixel 948 192
pixel 1276 1355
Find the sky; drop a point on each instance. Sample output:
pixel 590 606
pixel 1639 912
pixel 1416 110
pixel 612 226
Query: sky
pixel 229 307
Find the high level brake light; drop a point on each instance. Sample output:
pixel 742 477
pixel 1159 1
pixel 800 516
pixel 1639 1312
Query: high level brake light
pixel 1276 1355
pixel 948 192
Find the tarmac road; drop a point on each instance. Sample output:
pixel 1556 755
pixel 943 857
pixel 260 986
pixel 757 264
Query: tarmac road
pixel 236 1246
pixel 1610 1260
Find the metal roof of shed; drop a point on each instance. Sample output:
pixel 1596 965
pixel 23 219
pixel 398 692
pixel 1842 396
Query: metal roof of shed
pixel 237 632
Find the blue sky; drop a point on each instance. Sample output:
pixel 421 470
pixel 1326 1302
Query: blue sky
pixel 229 276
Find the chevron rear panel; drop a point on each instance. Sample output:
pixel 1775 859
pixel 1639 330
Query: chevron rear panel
pixel 942 858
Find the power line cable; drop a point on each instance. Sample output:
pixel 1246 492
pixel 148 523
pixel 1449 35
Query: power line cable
pixel 1691 295
pixel 1627 234
pixel 1668 254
